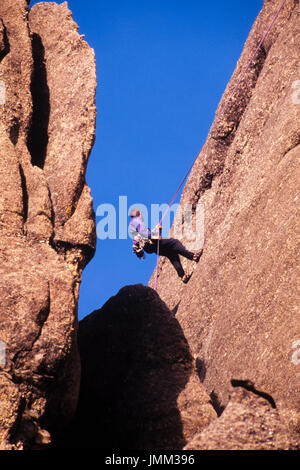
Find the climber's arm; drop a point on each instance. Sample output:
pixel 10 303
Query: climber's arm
pixel 156 232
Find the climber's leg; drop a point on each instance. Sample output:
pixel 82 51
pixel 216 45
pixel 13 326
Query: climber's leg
pixel 167 248
pixel 175 260
pixel 172 245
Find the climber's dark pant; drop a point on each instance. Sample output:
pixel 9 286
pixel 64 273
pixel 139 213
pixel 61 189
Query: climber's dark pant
pixel 171 248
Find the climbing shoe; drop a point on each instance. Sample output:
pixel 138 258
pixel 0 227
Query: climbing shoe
pixel 186 278
pixel 197 256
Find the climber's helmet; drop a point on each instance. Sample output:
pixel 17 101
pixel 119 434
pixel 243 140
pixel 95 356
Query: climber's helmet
pixel 134 212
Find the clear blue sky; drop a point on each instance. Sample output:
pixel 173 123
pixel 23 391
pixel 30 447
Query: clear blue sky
pixel 162 67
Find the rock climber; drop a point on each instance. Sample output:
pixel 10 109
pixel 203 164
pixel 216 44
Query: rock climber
pixel 145 240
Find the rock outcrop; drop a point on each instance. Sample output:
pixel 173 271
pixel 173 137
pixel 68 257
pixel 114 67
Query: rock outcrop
pixel 47 227
pixel 139 380
pixel 239 311
pixel 249 422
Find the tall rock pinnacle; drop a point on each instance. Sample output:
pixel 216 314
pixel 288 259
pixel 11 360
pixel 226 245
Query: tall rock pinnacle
pixel 47 226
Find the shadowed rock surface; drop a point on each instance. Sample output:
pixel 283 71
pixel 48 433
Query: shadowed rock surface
pixel 240 310
pixel 47 223
pixel 138 378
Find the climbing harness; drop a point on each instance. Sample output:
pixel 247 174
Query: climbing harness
pixel 215 123
pixel 138 246
pixel 139 251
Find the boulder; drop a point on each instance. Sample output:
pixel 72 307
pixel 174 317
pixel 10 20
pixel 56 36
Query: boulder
pixel 139 380
pixel 249 422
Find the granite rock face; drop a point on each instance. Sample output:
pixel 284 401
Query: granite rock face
pixel 47 227
pixel 139 379
pixel 240 310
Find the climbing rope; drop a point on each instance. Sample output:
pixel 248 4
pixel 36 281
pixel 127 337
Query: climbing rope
pixel 216 121
pixel 157 258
